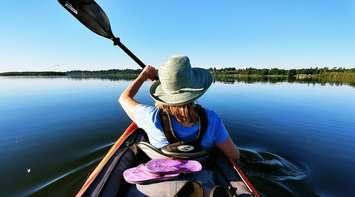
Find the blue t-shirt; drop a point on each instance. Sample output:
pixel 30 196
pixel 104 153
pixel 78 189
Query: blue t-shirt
pixel 147 118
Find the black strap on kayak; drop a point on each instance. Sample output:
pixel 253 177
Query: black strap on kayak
pixel 169 132
pixel 167 127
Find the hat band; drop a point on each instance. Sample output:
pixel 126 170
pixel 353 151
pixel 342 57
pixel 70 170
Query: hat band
pixel 183 90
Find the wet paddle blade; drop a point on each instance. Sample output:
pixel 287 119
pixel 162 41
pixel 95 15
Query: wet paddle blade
pixel 89 13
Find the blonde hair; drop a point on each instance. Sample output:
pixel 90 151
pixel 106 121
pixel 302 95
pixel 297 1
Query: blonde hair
pixel 185 114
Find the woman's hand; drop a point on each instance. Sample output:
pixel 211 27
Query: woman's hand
pixel 149 72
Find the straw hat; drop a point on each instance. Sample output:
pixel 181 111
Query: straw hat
pixel 178 83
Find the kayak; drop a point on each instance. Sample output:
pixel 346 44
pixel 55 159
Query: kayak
pixel 107 178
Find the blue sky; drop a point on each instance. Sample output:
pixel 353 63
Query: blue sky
pixel 41 35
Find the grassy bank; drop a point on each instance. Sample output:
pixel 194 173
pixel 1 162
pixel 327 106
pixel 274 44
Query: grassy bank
pixel 332 77
pixel 321 75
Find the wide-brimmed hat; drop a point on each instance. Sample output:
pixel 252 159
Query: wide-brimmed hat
pixel 178 83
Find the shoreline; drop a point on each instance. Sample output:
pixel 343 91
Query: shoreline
pixel 229 75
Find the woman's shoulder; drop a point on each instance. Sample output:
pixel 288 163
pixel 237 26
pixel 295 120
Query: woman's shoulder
pixel 211 115
pixel 145 108
pixel 145 114
pixel 216 131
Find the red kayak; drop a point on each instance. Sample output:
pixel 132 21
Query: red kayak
pixel 107 178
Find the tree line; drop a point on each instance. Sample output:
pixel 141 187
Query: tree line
pixel 225 71
pixel 278 71
pixel 108 74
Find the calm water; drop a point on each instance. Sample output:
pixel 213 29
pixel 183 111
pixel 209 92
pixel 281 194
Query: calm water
pixel 53 132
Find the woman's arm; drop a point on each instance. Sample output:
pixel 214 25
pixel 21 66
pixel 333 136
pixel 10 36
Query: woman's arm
pixel 229 149
pixel 126 99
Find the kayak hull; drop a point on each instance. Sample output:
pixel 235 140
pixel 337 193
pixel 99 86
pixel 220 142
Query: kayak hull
pixel 105 162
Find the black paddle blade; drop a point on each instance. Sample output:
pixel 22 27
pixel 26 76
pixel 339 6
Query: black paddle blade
pixel 89 13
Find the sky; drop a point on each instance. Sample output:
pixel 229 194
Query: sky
pixel 38 35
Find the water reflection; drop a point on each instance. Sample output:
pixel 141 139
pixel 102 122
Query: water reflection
pixel 226 80
pixel 245 79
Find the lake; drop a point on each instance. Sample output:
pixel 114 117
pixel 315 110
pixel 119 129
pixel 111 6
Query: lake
pixel 54 131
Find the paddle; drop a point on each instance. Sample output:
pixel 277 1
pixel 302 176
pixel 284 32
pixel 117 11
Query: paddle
pixel 89 13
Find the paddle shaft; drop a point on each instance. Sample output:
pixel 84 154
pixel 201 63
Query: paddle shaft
pixel 117 42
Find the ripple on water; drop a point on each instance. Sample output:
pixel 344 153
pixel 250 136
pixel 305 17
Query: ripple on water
pixel 87 161
pixel 274 175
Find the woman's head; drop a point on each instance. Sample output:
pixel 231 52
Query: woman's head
pixel 179 84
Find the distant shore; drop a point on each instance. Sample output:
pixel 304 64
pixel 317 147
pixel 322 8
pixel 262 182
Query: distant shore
pixel 106 74
pixel 322 75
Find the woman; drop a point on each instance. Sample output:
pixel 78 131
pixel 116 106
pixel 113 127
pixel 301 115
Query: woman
pixel 178 87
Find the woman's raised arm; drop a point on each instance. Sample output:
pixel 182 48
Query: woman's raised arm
pixel 126 98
